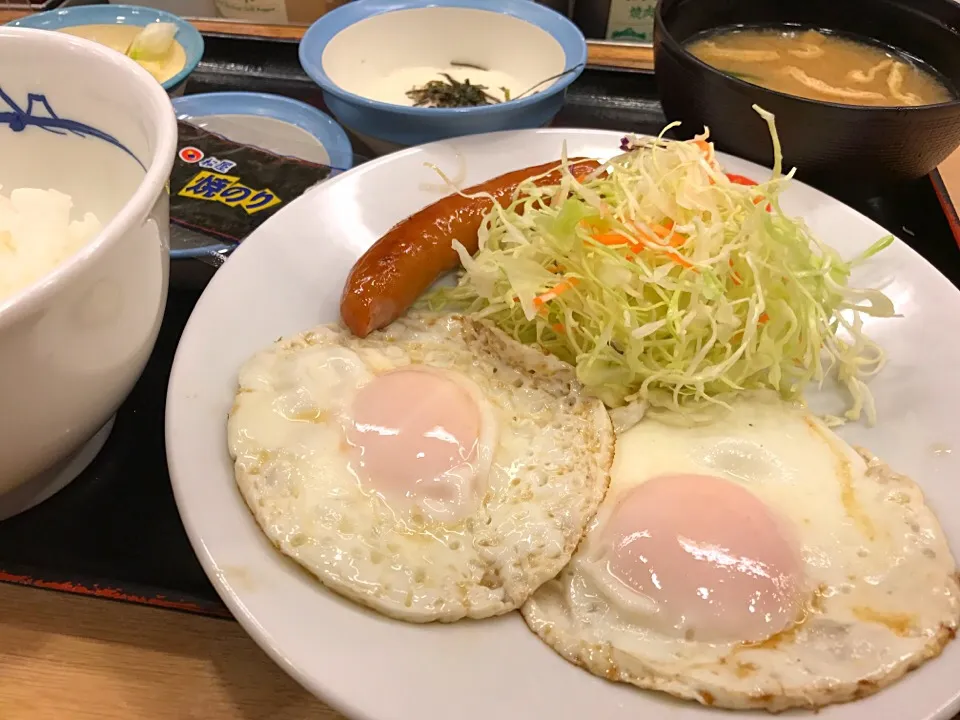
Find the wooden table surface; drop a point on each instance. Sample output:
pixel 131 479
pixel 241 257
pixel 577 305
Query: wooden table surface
pixel 66 657
pixel 950 172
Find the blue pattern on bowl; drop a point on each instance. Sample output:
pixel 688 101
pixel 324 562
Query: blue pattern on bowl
pixel 18 120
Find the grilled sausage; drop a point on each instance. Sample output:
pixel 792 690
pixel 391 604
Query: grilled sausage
pixel 393 273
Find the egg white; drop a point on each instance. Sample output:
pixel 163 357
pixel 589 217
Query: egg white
pixel 547 473
pixel 881 586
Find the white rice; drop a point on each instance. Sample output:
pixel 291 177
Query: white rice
pixel 37 234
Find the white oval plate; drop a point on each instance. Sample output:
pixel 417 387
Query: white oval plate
pixel 287 277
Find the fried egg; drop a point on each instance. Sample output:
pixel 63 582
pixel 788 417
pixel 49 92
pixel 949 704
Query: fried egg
pixel 435 470
pixel 759 562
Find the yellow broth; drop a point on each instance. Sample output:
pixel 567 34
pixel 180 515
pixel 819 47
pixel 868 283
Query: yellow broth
pixel 118 37
pixel 821 66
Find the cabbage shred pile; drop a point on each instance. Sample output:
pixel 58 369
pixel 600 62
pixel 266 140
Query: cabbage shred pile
pixel 667 282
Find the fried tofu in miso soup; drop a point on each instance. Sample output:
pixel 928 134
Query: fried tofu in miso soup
pixel 821 65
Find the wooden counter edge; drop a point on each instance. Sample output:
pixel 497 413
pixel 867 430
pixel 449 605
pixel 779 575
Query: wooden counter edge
pixel 599 54
pixel 67 657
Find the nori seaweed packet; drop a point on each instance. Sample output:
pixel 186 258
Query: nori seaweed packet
pixel 221 190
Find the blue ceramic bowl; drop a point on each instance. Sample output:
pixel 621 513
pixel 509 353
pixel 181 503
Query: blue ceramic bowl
pixel 275 107
pixel 187 35
pixel 353 50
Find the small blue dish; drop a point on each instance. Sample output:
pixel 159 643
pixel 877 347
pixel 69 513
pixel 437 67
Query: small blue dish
pixel 213 112
pixel 323 128
pixel 352 51
pixel 187 35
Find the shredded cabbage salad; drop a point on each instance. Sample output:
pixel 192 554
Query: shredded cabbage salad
pixel 666 282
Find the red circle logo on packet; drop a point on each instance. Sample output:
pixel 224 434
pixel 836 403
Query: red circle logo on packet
pixel 191 154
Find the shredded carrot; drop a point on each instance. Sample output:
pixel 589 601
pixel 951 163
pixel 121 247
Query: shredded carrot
pixel 706 149
pixel 680 260
pixel 644 241
pixel 599 232
pixel 675 256
pixel 735 276
pixel 558 328
pixel 612 239
pixel 740 180
pixel 743 180
pixel 665 231
pixel 662 232
pixel 738 335
pixel 558 289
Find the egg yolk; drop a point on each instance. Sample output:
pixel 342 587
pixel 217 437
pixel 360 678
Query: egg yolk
pixel 712 559
pixel 414 435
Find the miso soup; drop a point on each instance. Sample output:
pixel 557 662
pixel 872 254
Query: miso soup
pixel 821 65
